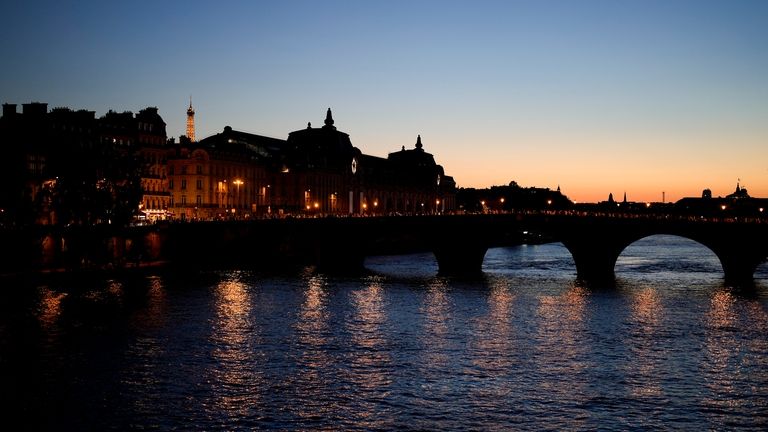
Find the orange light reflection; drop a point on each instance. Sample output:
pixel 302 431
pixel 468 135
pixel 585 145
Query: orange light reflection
pixel 236 382
pixel 561 349
pixel 50 307
pixel 646 320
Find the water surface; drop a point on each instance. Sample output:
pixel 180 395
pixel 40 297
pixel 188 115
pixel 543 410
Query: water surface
pixel 523 347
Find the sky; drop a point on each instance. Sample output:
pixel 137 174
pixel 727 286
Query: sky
pixel 658 99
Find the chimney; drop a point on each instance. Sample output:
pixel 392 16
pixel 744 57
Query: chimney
pixel 9 110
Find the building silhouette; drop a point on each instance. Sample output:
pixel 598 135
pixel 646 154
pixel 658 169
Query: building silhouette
pixel 316 171
pixel 69 167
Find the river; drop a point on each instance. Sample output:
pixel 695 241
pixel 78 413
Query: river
pixel 524 347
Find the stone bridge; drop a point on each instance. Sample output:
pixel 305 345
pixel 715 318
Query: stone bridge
pixel 459 242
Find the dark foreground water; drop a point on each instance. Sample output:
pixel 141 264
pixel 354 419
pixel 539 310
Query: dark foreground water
pixel 524 347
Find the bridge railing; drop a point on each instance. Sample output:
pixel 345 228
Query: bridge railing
pixel 647 215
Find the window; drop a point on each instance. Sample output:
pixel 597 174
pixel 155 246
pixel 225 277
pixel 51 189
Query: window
pixel 170 184
pixel 183 169
pixel 183 200
pixel 199 184
pixel 183 184
pixel 199 200
pixel 200 169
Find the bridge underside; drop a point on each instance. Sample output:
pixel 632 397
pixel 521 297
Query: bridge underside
pixel 459 243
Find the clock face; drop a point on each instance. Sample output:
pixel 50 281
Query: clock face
pixel 354 165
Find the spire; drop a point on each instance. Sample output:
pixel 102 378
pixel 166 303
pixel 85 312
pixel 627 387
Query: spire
pixel 418 142
pixel 329 120
pixel 191 121
pixel 625 197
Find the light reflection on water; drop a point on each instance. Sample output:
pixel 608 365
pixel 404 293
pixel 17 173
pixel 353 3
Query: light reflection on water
pixel 523 347
pixel 647 319
pixel 235 377
pixel 560 353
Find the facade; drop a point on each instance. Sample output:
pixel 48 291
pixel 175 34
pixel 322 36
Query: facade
pixel 316 171
pixel 66 166
pixel 152 152
pixel 124 165
pixel 144 138
pixel 328 175
pixel 40 147
pixel 223 176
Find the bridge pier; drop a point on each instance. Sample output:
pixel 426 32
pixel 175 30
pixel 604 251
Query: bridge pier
pixel 739 255
pixel 739 272
pixel 336 250
pixel 460 259
pixel 593 265
pixel 595 256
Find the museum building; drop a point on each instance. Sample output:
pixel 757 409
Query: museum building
pixel 315 172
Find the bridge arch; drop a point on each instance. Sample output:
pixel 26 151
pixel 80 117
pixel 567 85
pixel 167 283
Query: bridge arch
pixel 596 250
pixel 656 252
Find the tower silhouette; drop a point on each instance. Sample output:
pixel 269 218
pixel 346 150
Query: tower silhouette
pixel 191 121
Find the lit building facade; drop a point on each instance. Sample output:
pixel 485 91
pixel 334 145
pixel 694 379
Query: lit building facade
pixel 330 175
pixel 126 165
pixel 223 176
pixel 143 136
pixel 316 171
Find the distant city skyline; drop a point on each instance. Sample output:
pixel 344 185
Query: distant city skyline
pixel 658 100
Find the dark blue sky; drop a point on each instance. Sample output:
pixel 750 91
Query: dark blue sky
pixel 596 96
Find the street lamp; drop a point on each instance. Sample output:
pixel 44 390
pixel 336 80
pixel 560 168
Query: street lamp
pixel 237 183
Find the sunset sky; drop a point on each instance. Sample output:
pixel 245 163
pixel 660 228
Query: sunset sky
pixel 641 97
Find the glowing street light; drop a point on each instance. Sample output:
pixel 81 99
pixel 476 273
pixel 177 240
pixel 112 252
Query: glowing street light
pixel 237 182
